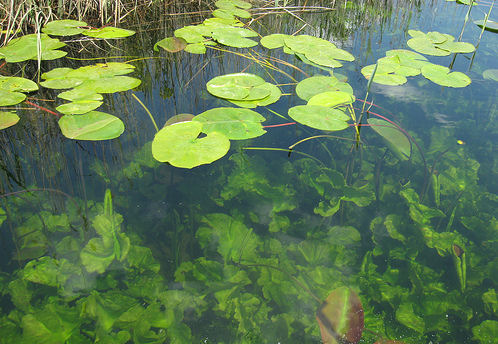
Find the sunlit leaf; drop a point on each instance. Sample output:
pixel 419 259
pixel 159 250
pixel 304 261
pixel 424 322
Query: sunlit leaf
pixel 181 117
pixel 26 48
pixel 426 46
pixel 237 86
pixel 234 123
pixel 273 41
pixel 11 88
pixel 490 25
pixel 8 119
pixel 319 117
pixel 341 317
pixel 406 316
pixel 64 27
pixel 93 125
pixel 179 145
pixel 442 76
pixel 314 85
pixel 331 99
pixel 234 37
pixel 108 32
pixel 274 96
pixel 78 107
pixel 486 332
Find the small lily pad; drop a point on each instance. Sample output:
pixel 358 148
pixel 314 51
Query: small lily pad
pixel 91 126
pixel 234 37
pixel 78 107
pixel 273 41
pixel 171 44
pixel 234 123
pixel 8 119
pixel 193 34
pixel 180 145
pixel 66 27
pixel 196 48
pixel 331 99
pixel 108 32
pixel 319 117
pixel 237 86
pixel 314 85
pixel 441 75
pixel 490 25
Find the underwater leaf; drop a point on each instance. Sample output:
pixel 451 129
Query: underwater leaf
pixel 3 215
pixel 7 119
pixel 486 332
pixel 490 300
pixel 42 271
pixel 141 257
pixel 489 26
pixel 314 85
pixel 91 126
pixel 66 27
pixel 397 140
pixel 96 256
pixel 406 316
pixel 319 117
pixel 171 44
pixel 234 37
pixel 442 76
pixel 179 145
pixel 26 48
pixel 490 74
pixel 341 317
pixel 332 99
pixel 106 308
pixel 237 86
pixel 108 32
pixel 273 41
pixel 234 123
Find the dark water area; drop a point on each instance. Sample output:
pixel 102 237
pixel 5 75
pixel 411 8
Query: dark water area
pixel 102 243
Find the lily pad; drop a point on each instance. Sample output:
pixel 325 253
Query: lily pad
pixel 232 3
pixel 11 88
pixel 490 25
pixel 274 96
pixel 425 46
pixel 319 117
pixel 332 99
pixel 180 145
pixel 273 41
pixel 237 86
pixel 196 48
pixel 437 44
pixel 109 85
pixel 108 32
pixel 26 48
pixel 314 85
pixel 397 141
pixel 66 27
pixel 7 119
pixel 193 34
pixel 234 37
pixel 442 76
pixel 171 44
pixel 181 117
pixel 78 107
pixel 234 123
pixel 92 126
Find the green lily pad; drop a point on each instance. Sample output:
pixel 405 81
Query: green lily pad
pixel 11 88
pixel 179 145
pixel 7 119
pixel 109 85
pixel 171 44
pixel 196 48
pixel 457 47
pixel 384 75
pixel 237 86
pixel 314 85
pixel 426 46
pixel 232 3
pixel 230 13
pixel 108 32
pixel 273 41
pixel 91 126
pixel 181 117
pixel 193 34
pixel 305 43
pixel 234 37
pixel 273 97
pixel 490 74
pixel 11 98
pixel 490 25
pixel 234 123
pixel 101 70
pixel 80 94
pixel 78 107
pixel 397 141
pixel 441 75
pixel 319 117
pixel 26 48
pixel 332 99
pixel 64 27
pixel 328 56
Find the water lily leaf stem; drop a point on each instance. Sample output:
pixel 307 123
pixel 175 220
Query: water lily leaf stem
pixel 148 112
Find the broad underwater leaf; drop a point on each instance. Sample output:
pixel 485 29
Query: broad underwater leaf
pixel 486 332
pixel 108 32
pixel 341 317
pixel 319 117
pixel 397 140
pixel 65 27
pixel 234 123
pixel 8 119
pixel 442 76
pixel 94 125
pixel 179 145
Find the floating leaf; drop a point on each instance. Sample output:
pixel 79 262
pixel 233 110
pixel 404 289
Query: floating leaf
pixel 232 3
pixel 181 117
pixel 26 48
pixel 171 44
pixel 273 41
pixel 441 75
pixel 426 46
pixel 7 119
pixel 319 117
pixel 108 32
pixel 109 85
pixel 66 27
pixel 341 317
pixel 234 37
pixel 234 123
pixel 490 25
pixel 179 145
pixel 331 99
pixel 436 43
pixel 78 107
pixel 398 142
pixel 193 34
pixel 93 125
pixel 237 86
pixel 11 88
pixel 314 85
pixel 274 96
pixel 196 48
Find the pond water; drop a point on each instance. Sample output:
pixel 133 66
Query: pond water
pixel 338 236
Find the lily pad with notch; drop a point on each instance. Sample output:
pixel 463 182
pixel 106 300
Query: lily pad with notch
pixel 320 117
pixel 234 37
pixel 314 85
pixel 237 86
pixel 11 88
pixel 443 76
pixel 490 25
pixel 234 123
pixel 171 44
pixel 179 144
pixel 108 32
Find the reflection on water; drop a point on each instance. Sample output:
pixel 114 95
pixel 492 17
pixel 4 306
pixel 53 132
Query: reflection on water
pixel 245 250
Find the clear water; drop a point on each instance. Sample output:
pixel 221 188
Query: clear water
pixel 239 251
